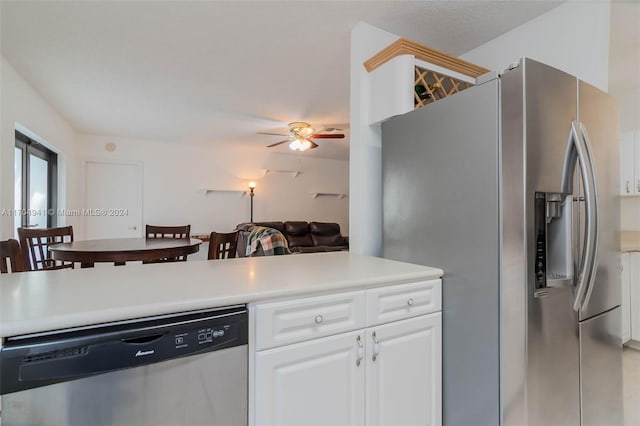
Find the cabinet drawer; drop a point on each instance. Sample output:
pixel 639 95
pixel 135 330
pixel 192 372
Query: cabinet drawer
pixel 392 303
pixel 281 323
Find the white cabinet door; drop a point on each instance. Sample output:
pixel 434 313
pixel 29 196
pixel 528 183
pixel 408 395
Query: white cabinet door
pixel 634 284
pixel 404 372
pixel 398 302
pixel 627 166
pixel 292 321
pixel 626 297
pixel 319 382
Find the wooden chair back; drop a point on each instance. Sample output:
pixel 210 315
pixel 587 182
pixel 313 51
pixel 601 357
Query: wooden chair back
pixel 154 231
pixel 222 246
pixel 35 243
pixel 10 257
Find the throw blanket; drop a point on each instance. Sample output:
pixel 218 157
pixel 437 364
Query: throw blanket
pixel 271 240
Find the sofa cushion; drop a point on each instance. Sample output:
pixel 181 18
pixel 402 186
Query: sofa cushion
pixel 275 225
pixel 297 234
pixel 320 249
pixel 296 228
pixel 326 234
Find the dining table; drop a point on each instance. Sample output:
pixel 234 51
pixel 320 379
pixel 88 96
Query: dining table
pixel 122 250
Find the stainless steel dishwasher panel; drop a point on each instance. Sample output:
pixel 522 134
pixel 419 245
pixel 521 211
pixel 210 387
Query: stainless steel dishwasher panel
pixel 177 369
pixel 206 389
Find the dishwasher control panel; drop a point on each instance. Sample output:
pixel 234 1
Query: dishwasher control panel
pixel 207 336
pixel 33 361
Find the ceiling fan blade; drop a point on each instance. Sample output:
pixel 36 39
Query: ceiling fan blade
pixel 278 143
pixel 327 136
pixel 313 144
pixel 275 134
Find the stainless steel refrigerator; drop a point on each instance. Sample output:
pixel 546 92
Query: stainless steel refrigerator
pixel 511 187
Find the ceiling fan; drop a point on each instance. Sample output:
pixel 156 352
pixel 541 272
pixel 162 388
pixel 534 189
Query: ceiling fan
pixel 301 134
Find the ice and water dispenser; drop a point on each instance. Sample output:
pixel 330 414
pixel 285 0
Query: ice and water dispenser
pixel 553 225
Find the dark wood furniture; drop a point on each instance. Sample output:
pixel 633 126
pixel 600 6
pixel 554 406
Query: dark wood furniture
pixel 302 237
pixel 34 244
pixel 222 246
pixel 120 250
pixel 154 231
pixel 10 257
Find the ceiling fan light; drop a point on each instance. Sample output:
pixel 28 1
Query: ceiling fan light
pixel 305 145
pixel 296 145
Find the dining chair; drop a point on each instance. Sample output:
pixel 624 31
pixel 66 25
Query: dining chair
pixel 10 257
pixel 35 242
pixel 222 246
pixel 155 231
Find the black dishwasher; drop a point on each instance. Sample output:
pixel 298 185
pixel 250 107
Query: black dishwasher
pixel 177 369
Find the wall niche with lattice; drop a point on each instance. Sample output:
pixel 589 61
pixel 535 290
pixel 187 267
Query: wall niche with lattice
pixel 406 75
pixel 430 86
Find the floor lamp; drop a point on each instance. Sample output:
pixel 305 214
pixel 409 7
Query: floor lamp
pixel 252 186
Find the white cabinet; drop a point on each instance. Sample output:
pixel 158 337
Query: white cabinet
pixel 634 292
pixel 392 303
pixel 626 297
pixel 281 323
pixel 404 372
pixel 389 373
pixel 630 163
pixel 319 382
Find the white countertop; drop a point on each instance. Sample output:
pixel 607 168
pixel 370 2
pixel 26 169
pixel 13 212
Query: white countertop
pixel 32 302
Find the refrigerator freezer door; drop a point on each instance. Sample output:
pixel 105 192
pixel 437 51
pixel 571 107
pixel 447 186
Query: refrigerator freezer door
pixel 601 370
pixel 598 114
pixel 553 385
pixel 440 207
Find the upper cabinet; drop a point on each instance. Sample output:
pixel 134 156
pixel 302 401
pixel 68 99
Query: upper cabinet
pixel 406 75
pixel 630 164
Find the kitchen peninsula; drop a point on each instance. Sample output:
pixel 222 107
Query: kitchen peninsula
pixel 315 321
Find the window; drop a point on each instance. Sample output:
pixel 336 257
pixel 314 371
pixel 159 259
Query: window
pixel 36 183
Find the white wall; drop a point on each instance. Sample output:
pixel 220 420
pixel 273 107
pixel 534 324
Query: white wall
pixel 175 174
pixel 365 146
pixel 573 37
pixel 23 106
pixel 629 102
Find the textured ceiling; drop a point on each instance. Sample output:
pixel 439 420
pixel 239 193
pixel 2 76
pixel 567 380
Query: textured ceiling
pixel 218 71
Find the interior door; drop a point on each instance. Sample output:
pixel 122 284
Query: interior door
pixel 113 200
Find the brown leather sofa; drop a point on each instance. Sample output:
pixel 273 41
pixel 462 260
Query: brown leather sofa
pixel 302 237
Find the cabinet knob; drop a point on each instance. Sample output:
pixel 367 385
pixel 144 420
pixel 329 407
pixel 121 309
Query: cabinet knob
pixel 410 302
pixel 360 351
pixel 319 319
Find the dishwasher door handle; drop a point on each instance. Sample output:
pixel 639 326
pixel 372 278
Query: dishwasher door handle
pixel 143 340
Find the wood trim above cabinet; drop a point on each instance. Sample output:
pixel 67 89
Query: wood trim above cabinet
pixel 402 46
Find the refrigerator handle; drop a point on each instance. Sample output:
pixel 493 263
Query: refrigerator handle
pixel 579 150
pixel 593 204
